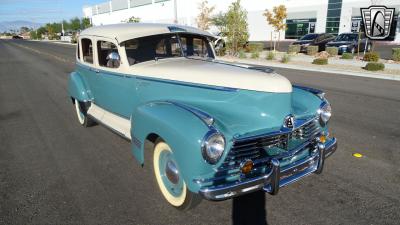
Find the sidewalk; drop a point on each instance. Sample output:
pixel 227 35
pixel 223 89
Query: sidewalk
pixel 352 67
pixel 56 42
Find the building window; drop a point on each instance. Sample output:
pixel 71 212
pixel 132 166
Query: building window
pixel 333 16
pixel 297 28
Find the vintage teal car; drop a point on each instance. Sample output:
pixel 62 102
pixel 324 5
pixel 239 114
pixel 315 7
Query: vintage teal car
pixel 219 130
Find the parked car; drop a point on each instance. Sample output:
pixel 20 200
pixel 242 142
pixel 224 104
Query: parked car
pixel 17 37
pixel 219 41
pixel 218 130
pixel 319 40
pixel 348 42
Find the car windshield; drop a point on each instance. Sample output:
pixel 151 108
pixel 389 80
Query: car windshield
pixel 347 37
pixel 167 46
pixel 309 37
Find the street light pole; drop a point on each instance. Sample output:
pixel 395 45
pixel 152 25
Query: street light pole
pixel 175 12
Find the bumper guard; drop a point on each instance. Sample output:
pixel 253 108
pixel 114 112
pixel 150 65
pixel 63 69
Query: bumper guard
pixel 276 178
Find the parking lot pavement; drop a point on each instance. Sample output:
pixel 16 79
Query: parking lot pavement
pixel 384 49
pixel 53 171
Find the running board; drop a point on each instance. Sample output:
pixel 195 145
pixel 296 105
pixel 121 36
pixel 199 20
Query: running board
pixel 116 123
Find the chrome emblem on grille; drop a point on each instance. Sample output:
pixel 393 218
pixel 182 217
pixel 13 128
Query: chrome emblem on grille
pixel 289 122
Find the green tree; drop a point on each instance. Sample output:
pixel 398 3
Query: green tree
pixel 236 27
pixel 40 32
pixel 131 19
pixel 75 24
pixel 24 30
pixel 33 35
pixel 204 18
pixel 276 19
pixel 220 21
pixel 85 23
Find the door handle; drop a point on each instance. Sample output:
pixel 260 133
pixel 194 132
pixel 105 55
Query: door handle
pixel 94 70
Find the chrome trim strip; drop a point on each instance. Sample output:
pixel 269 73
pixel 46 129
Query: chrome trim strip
pixel 298 124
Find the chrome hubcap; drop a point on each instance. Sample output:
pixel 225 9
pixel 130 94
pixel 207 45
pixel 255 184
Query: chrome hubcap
pixel 172 172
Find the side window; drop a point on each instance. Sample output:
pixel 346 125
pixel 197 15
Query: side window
pixel 78 51
pixel 87 50
pixel 200 47
pixel 108 54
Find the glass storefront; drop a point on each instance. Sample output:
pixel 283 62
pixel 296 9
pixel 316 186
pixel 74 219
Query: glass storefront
pixel 333 16
pixel 297 28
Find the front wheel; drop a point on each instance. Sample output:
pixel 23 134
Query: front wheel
pixel 83 119
pixel 170 180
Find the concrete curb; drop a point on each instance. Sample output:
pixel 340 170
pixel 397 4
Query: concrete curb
pixel 341 72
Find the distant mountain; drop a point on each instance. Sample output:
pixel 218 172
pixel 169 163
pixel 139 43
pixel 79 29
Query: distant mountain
pixel 17 24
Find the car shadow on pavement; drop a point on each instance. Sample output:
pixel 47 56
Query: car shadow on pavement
pixel 249 209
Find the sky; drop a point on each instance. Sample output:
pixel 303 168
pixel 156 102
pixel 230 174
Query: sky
pixel 42 11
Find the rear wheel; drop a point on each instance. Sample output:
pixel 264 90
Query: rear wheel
pixel 83 119
pixel 170 180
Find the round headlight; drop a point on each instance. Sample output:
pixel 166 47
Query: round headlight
pixel 213 147
pixel 325 113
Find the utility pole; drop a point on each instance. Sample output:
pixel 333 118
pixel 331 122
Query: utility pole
pixel 175 12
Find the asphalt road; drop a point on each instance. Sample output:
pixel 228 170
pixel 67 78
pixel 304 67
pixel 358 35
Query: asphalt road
pixel 53 171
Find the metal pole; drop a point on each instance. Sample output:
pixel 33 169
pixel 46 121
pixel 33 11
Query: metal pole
pixel 175 12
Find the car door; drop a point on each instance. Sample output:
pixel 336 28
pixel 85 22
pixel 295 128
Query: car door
pixel 86 66
pixel 115 90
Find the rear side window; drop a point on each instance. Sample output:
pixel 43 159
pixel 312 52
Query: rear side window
pixel 87 50
pixel 104 49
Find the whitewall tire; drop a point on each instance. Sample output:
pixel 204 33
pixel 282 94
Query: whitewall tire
pixel 170 180
pixel 83 119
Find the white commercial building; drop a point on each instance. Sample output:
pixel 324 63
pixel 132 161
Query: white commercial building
pixel 304 16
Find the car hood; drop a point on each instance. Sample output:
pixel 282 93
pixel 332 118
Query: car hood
pixel 212 73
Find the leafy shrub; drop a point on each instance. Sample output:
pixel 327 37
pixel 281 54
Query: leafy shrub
pixel 312 50
pixel 347 55
pixel 320 61
pixel 371 57
pixel 220 51
pixel 374 66
pixel 242 54
pixel 396 54
pixel 285 58
pixel 254 47
pixel 294 49
pixel 332 51
pixel 255 55
pixel 270 55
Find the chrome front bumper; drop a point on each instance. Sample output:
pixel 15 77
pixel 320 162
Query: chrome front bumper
pixel 276 177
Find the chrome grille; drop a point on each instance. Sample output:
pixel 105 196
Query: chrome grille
pixel 254 148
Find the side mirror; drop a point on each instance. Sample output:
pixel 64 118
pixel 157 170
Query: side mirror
pixel 113 60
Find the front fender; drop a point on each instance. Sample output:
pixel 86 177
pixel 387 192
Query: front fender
pixel 77 88
pixel 180 128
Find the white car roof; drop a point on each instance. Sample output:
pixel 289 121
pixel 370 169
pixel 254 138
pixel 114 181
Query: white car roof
pixel 127 31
